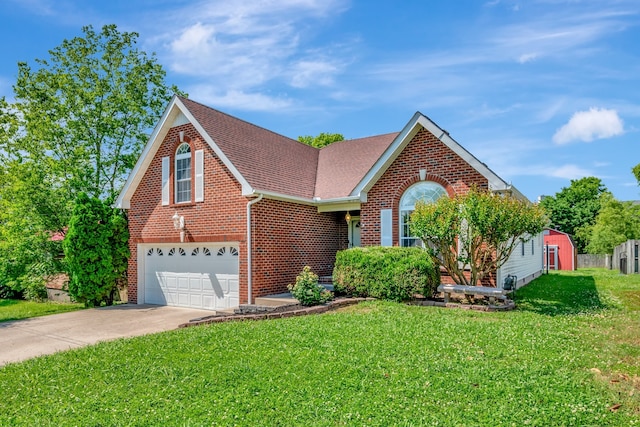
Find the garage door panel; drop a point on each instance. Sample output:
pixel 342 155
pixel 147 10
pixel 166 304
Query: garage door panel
pixel 169 282
pixel 194 282
pixel 183 282
pixel 199 276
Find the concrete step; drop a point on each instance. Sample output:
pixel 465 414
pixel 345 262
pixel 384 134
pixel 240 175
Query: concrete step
pixel 276 300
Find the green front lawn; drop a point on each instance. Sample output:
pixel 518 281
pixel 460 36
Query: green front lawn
pixel 569 355
pixel 12 309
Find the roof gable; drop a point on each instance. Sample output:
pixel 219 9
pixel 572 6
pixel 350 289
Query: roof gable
pixel 261 160
pixel 417 122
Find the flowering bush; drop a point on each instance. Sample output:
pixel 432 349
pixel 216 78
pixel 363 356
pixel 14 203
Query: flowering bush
pixel 307 290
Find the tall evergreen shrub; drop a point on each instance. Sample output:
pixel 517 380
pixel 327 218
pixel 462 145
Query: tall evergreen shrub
pixel 96 251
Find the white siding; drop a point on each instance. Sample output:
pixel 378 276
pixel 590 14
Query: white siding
pixel 527 267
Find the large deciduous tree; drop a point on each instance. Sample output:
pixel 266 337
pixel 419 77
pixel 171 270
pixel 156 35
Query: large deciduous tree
pixel 86 111
pixel 574 209
pixel 475 233
pixel 78 123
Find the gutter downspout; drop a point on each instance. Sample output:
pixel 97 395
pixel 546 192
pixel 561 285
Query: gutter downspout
pixel 249 246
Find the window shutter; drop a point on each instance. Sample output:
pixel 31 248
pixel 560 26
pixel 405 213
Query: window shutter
pixel 386 228
pixel 165 181
pixel 199 175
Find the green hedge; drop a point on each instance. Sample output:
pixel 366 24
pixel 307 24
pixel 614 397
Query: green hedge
pixel 390 273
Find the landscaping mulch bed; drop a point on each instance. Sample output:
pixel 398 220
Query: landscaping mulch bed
pixel 257 312
pixel 252 312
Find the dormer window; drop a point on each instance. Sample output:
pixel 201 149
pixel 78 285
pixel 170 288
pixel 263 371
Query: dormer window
pixel 183 174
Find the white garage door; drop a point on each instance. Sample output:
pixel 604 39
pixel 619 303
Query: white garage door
pixel 192 275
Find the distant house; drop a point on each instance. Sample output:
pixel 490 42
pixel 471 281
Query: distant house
pixel 222 211
pixel 559 251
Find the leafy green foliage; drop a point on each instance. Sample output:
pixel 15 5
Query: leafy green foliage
pixel 96 251
pixel 389 273
pixel 27 253
pixel 86 110
pixel 574 208
pixel 78 123
pixel 636 172
pixel 321 140
pixel 477 231
pixel 616 223
pixel 376 364
pixel 307 290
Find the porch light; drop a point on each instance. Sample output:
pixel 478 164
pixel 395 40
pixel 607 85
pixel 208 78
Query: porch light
pixel 347 217
pixel 178 224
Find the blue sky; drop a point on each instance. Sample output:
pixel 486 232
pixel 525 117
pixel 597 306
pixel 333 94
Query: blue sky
pixel 542 91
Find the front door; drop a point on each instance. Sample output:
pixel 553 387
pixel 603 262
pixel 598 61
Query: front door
pixel 354 232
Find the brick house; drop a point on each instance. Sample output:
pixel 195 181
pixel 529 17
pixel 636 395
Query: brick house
pixel 222 211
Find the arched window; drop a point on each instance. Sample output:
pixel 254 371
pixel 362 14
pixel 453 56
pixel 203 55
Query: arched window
pixel 425 191
pixel 183 173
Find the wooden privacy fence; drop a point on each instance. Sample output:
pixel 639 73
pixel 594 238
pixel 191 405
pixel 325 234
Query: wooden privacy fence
pixel 594 261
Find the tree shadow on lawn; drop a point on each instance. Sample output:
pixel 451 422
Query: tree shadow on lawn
pixel 554 294
pixel 8 302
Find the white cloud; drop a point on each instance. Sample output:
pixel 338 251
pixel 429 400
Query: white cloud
pixel 527 57
pixel 589 125
pixel 237 99
pixel 39 7
pixel 195 41
pixel 601 164
pixel 243 43
pixel 549 110
pixel 568 172
pixel 308 73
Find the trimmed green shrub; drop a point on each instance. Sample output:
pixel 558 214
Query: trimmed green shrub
pixel 389 273
pixel 307 290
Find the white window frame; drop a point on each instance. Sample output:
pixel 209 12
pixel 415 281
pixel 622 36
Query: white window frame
pixel 427 191
pixel 183 152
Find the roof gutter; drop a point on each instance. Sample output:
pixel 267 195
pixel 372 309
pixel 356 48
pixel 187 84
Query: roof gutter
pixel 249 247
pixel 304 201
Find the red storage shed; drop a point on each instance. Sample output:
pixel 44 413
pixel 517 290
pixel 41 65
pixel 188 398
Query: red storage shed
pixel 559 251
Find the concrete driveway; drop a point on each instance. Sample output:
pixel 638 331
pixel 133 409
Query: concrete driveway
pixel 24 339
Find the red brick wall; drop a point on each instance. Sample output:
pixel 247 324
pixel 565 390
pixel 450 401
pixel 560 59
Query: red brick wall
pixel 221 217
pixel 424 151
pixel 288 236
